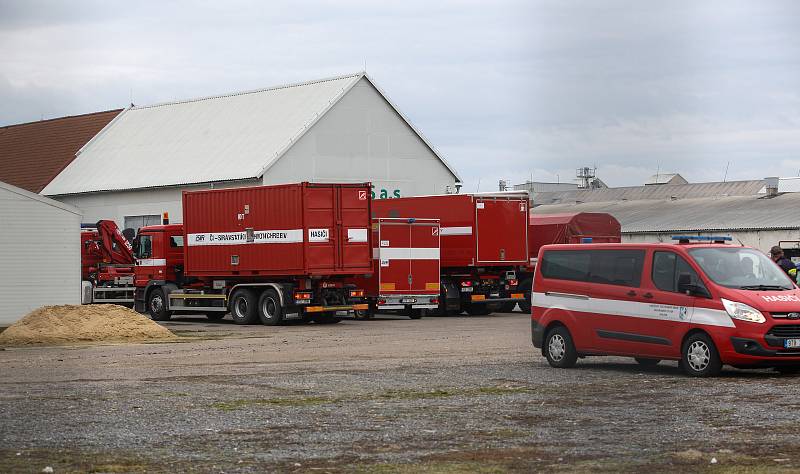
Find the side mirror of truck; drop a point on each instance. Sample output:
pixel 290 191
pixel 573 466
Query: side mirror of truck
pixel 686 286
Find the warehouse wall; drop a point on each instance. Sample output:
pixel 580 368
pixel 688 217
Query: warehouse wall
pixel 116 205
pixel 40 255
pixel 362 138
pixel 759 239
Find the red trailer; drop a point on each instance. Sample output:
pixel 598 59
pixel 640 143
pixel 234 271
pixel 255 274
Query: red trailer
pixel 405 266
pixel 567 228
pixel 269 252
pixel 483 243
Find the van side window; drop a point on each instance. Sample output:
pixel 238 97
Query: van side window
pixel 609 267
pixel 667 267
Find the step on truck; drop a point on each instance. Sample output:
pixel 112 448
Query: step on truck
pixel 405 258
pixel 269 253
pixel 483 244
pixel 563 228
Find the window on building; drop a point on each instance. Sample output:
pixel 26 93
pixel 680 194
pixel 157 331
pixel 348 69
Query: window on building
pixel 137 222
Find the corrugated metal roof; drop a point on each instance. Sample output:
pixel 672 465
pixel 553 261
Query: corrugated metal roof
pixel 695 214
pixel 221 138
pixel 32 154
pixel 664 191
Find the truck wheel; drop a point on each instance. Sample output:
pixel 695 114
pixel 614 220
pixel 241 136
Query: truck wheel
pixel 478 310
pixel 699 356
pixel 157 305
pixel 416 313
pixel 269 308
pixel 559 348
pixel 326 318
pixel 525 306
pixel 244 307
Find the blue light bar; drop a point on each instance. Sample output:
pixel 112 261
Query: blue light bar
pixel 702 238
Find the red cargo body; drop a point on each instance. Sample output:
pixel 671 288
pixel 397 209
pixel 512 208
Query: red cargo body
pixel 483 242
pixel 406 266
pixel 567 228
pixel 572 228
pixel 297 229
pixel 272 253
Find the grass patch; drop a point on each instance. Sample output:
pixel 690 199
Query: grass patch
pixel 232 405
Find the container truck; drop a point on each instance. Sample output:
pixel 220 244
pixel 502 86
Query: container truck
pixel 566 228
pixel 483 244
pixel 405 275
pixel 274 253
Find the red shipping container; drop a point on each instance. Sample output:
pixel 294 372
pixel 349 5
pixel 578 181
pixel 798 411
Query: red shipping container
pixel 304 229
pixel 486 229
pixel 571 229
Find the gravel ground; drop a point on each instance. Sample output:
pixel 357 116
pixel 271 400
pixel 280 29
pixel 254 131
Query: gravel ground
pixel 448 394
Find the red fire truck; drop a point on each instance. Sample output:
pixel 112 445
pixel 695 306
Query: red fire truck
pixel 405 274
pixel 566 228
pixel 483 244
pixel 273 253
pixel 106 264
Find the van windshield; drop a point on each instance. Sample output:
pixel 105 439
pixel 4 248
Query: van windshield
pixel 741 268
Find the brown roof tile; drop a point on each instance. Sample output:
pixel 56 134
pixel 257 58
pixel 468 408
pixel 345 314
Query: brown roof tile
pixel 32 154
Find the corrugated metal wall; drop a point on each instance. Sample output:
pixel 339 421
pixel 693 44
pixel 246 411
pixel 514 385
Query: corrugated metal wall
pixel 40 255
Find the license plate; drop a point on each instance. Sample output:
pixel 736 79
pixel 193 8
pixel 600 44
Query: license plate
pixel 791 344
pixel 494 295
pixel 408 300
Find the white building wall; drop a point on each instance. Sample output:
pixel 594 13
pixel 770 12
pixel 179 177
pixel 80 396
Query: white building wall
pixel 362 138
pixel 40 255
pixel 117 205
pixel 759 239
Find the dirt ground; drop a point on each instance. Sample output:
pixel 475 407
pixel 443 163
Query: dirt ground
pixel 453 394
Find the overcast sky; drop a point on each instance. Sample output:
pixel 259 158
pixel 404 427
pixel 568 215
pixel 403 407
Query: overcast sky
pixel 508 90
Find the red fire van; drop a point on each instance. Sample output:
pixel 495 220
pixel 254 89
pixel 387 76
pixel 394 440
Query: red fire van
pixel 702 303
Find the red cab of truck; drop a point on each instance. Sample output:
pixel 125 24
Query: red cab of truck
pixel 405 274
pixel 483 244
pixel 270 252
pixel 700 302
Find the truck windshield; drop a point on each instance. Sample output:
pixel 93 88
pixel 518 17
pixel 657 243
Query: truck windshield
pixel 742 268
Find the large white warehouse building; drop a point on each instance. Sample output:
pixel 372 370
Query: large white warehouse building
pixel 342 129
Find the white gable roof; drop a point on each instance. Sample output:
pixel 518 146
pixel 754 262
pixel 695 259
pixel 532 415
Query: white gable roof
pixel 222 138
pixel 35 197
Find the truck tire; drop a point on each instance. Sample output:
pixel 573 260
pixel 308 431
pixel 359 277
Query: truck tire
pixel 525 306
pixel 157 305
pixel 244 306
pixel 416 313
pixel 270 310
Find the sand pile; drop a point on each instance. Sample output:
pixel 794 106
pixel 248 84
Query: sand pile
pixel 86 323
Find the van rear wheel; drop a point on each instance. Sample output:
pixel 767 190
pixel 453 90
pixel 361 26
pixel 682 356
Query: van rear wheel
pixel 559 348
pixel 699 356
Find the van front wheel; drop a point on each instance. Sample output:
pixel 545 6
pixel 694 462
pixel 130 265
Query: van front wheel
pixel 699 356
pixel 559 348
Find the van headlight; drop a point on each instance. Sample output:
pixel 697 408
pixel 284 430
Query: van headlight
pixel 742 311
